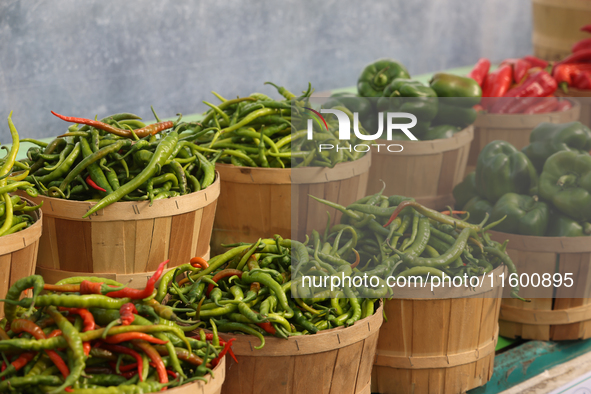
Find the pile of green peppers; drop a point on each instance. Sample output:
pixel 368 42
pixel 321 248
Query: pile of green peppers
pixel 249 289
pixel 396 236
pixel 258 131
pixel 544 190
pixel 442 109
pixel 92 163
pixel 67 339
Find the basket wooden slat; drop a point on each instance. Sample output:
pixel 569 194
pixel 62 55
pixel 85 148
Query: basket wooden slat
pixel 514 128
pixel 583 97
pixel 556 26
pixel 126 239
pixel 262 202
pixel 332 361
pixel 438 345
pixel 555 314
pixel 18 254
pixel 426 170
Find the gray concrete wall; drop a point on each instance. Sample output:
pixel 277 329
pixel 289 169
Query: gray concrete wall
pixel 97 57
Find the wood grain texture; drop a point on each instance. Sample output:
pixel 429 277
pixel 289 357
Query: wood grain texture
pixel 556 26
pixel 118 245
pixel 254 203
pixel 554 313
pixel 18 254
pixel 437 345
pixel 330 362
pixel 425 170
pixel 514 128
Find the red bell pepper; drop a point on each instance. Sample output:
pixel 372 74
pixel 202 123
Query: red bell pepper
pixel 540 84
pixel 522 104
pixel 586 28
pixel 564 74
pixel 582 80
pixel 541 107
pixel 497 83
pixel 535 61
pixel 519 66
pixel 480 70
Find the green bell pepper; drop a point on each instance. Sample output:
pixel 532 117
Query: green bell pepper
pixel 440 132
pixel 525 215
pixel 549 138
pixel 502 169
pixel 377 75
pixel 566 182
pixel 478 208
pixel 563 226
pixel 454 115
pixel 406 95
pixel 449 85
pixel 465 190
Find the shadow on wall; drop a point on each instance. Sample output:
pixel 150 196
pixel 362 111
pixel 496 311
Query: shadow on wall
pixel 100 57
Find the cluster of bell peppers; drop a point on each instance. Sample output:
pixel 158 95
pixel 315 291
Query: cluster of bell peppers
pixel 442 108
pixel 575 70
pixel 518 86
pixel 544 190
pixel 89 334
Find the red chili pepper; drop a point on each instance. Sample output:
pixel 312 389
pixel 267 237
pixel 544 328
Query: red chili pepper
pixel 582 80
pixel 542 107
pixel 535 61
pixel 22 360
pixel 221 275
pixel 130 374
pixel 128 336
pixel 126 312
pixel 521 105
pixel 540 84
pixel 88 287
pixel 564 74
pixel 94 185
pixel 171 373
pixel 155 358
pixel 268 327
pixel 582 56
pixel 21 325
pixel 583 44
pixel 225 350
pixel 130 352
pixel 519 66
pixel 136 294
pixel 357 259
pixel 143 132
pixel 564 105
pixel 480 70
pixel 199 262
pixel 497 82
pixel 87 319
pixel 586 28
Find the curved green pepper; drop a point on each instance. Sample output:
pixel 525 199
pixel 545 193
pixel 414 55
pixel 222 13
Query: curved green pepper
pixel 502 169
pixel 465 190
pixel 566 182
pixel 478 208
pixel 549 138
pixel 525 215
pixel 450 85
pixel 377 75
pixel 563 226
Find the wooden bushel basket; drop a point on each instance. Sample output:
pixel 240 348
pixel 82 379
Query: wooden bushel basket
pixel 262 202
pixel 212 386
pixel 443 345
pixel 18 254
pixel 585 103
pixel 126 240
pixel 548 318
pixel 513 128
pixel 556 26
pixel 336 361
pixel 425 170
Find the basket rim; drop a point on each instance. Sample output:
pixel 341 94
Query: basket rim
pixel 21 239
pixel 414 148
pixel 544 244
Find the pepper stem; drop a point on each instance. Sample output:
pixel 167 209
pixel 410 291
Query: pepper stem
pixel 380 79
pixel 567 180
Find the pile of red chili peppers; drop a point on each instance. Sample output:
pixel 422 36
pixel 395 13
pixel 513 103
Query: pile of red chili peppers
pixel 518 86
pixel 88 334
pixel 575 70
